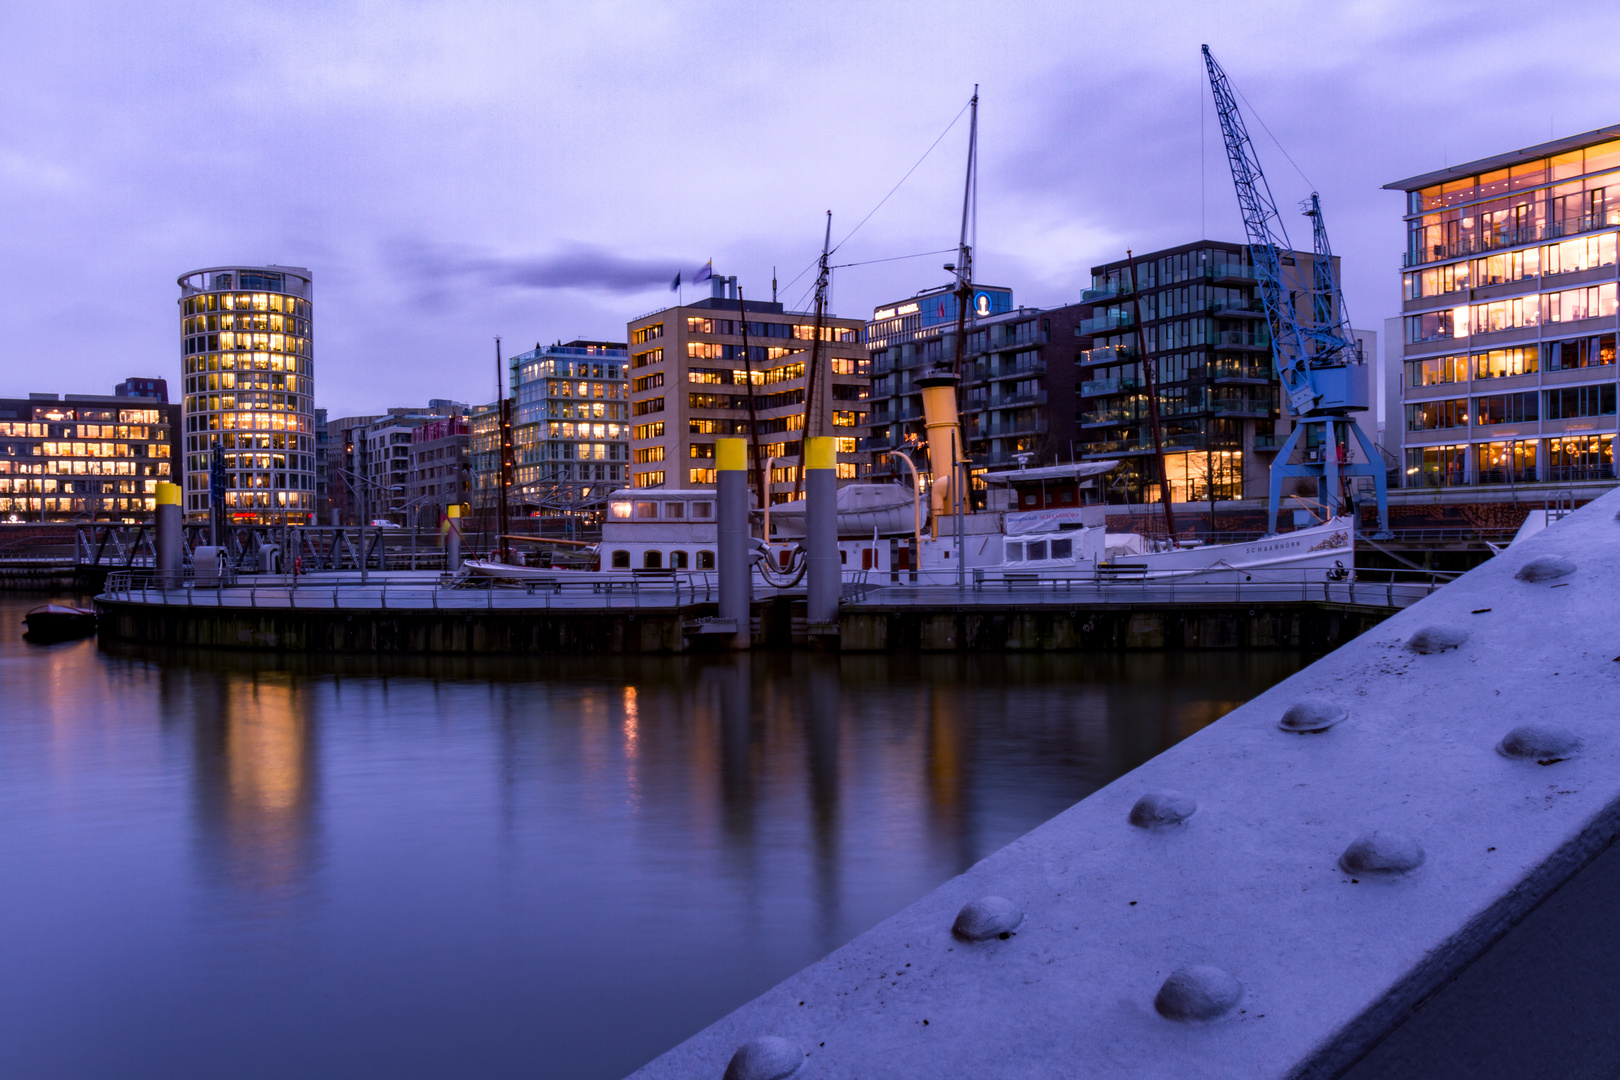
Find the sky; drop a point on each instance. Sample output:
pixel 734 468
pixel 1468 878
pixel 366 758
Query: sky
pixel 453 172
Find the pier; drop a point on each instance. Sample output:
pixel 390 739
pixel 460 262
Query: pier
pixel 671 612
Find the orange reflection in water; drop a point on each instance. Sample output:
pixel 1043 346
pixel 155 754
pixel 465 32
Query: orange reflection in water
pixel 265 762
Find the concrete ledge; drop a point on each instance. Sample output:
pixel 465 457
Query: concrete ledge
pixel 1274 879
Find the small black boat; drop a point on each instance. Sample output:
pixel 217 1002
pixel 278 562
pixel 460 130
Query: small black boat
pixel 50 623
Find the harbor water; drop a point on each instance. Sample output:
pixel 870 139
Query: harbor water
pixel 237 864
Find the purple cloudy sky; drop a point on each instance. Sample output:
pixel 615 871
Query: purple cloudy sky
pixel 460 170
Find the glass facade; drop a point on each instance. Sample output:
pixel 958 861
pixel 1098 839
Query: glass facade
pixel 1510 307
pixel 249 382
pixel 571 424
pixel 1203 328
pixel 82 460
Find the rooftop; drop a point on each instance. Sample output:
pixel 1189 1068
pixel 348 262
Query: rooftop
pixel 1512 157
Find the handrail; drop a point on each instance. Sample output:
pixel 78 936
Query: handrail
pixel 1118 583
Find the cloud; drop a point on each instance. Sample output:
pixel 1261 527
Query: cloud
pixel 441 269
pixel 572 266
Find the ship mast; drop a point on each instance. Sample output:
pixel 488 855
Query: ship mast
pixel 810 409
pixel 964 250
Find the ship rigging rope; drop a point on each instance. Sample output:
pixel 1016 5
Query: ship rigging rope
pixel 892 258
pixel 880 203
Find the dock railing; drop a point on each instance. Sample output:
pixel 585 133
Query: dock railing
pixel 675 589
pixel 348 592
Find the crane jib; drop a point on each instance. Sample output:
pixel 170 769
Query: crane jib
pixel 1319 364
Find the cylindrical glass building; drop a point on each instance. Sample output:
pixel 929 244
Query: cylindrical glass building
pixel 250 390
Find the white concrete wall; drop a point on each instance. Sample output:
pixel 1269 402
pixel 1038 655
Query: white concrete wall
pixel 1328 961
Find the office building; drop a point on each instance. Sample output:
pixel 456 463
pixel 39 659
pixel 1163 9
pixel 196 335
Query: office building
pixel 571 425
pixel 1509 294
pixel 85 457
pixel 690 383
pixel 249 377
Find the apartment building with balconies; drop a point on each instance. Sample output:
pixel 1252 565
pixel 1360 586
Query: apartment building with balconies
pixel 1203 329
pixel 1508 373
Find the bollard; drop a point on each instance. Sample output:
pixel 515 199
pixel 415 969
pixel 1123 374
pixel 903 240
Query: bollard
pixel 171 555
pixel 825 577
pixel 736 571
pixel 452 554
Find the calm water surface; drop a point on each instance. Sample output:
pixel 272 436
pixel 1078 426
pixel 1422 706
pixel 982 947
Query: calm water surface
pixel 228 865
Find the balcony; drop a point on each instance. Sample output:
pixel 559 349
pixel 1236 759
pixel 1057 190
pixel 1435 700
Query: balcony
pixel 875 443
pixel 1012 400
pixel 1109 354
pixel 1507 476
pixel 1229 371
pixel 1563 474
pixel 1101 417
pixel 1495 239
pixel 1101 387
pixel 1238 309
pixel 1265 443
pixel 1258 407
pixel 1235 273
pixel 1035 425
pixel 1011 371
pixel 1107 292
pixel 1107 323
pixel 1239 339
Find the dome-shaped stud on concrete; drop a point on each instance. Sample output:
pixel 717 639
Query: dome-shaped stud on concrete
pixel 1157 809
pixel 1197 992
pixel 765 1058
pixel 987 917
pixel 1544 743
pixel 1312 714
pixel 1545 568
pixel 1381 852
pixel 1437 639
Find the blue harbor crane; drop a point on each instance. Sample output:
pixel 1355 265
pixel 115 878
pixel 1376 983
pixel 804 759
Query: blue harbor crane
pixel 1319 362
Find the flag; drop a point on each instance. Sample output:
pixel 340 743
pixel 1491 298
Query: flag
pixel 676 283
pixel 704 274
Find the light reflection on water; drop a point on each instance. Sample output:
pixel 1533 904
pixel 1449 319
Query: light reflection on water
pixel 227 864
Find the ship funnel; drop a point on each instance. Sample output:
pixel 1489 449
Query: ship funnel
pixel 944 437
